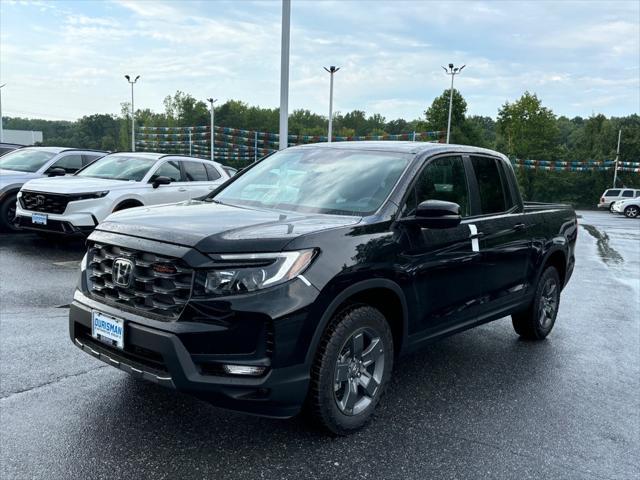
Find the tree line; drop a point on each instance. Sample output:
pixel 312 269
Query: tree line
pixel 524 128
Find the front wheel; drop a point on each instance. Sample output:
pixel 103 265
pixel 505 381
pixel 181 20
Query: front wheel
pixel 631 211
pixel 351 369
pixel 537 321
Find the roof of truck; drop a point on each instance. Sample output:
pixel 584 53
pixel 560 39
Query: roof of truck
pixel 401 147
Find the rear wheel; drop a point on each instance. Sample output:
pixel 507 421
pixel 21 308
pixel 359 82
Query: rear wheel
pixel 611 207
pixel 351 369
pixel 537 321
pixel 632 211
pixel 8 214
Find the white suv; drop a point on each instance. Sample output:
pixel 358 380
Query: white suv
pixel 76 204
pixel 19 166
pixel 612 195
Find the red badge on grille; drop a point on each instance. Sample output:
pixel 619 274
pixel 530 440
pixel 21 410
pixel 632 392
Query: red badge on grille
pixel 164 268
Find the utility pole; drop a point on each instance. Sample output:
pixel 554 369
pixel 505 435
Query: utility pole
pixel 213 124
pixel 133 113
pixel 453 72
pixel 1 129
pixel 284 74
pixel 615 168
pixel 331 71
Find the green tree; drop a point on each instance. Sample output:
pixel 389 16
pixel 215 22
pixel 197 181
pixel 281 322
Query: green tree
pixel 437 114
pixel 185 110
pixel 463 132
pixel 526 129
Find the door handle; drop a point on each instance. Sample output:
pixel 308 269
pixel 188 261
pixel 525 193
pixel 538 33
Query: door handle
pixel 476 235
pixel 519 226
pixel 182 189
pixel 213 188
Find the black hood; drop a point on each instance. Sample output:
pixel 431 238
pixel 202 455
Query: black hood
pixel 216 228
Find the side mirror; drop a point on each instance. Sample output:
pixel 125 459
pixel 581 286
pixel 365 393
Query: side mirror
pixel 437 214
pixel 57 172
pixel 161 181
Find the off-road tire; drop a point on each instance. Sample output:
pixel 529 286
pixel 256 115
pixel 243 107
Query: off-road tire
pixel 322 402
pixel 537 321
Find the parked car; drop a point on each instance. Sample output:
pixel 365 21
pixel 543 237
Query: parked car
pixel 610 196
pixel 267 303
pixel 24 164
pixel 629 208
pixel 8 147
pixel 75 205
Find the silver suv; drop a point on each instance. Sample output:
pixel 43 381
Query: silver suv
pixel 20 166
pixel 614 194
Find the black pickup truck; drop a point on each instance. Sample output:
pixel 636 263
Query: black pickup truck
pixel 300 280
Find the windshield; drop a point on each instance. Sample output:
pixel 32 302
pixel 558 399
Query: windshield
pixel 118 167
pixel 320 180
pixel 25 160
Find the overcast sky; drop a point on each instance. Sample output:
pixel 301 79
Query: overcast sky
pixel 63 60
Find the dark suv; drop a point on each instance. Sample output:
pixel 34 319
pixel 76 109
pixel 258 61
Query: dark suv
pixel 301 279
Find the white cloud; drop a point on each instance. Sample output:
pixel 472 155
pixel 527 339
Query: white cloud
pixel 572 54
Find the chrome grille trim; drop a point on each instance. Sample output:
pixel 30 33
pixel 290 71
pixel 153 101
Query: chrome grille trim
pixel 162 294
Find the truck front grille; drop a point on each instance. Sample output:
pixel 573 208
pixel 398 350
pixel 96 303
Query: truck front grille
pixel 157 285
pixel 44 202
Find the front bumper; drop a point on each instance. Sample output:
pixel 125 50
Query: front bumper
pixel 79 217
pixel 54 225
pixel 174 354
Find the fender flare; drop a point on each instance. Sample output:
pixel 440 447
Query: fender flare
pixel 547 255
pixel 348 292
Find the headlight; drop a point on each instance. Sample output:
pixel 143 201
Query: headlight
pixel 242 273
pixel 87 196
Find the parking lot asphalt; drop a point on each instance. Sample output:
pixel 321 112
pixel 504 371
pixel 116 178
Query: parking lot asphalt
pixel 481 404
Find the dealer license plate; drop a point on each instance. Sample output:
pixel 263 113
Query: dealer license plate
pixel 107 329
pixel 39 218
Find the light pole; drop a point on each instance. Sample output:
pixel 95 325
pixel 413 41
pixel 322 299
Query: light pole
pixel 133 113
pixel 453 72
pixel 331 71
pixel 1 130
pixel 615 167
pixel 284 74
pixel 213 123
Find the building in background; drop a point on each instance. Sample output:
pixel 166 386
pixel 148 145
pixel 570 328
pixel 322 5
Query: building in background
pixel 22 137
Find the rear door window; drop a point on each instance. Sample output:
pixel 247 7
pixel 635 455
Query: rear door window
pixel 491 189
pixel 195 171
pixel 212 172
pixel 627 194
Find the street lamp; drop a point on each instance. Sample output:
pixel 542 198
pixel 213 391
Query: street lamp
pixel 1 131
pixel 453 72
pixel 331 71
pixel 213 134
pixel 133 113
